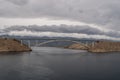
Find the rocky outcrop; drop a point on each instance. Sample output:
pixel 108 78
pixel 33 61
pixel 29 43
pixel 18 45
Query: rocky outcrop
pixel 105 46
pixel 12 45
pixel 98 47
pixel 77 46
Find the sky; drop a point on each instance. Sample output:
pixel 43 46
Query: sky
pixel 101 14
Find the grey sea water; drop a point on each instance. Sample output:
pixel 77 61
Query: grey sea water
pixel 46 63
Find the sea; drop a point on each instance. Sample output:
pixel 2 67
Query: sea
pixel 50 63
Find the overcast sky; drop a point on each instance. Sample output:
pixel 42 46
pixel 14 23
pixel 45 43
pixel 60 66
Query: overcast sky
pixel 100 15
pixel 104 13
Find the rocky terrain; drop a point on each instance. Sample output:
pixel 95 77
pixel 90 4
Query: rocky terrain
pixel 77 46
pixel 12 45
pixel 105 46
pixel 98 47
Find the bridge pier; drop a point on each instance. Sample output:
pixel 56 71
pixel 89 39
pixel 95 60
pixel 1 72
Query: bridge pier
pixel 29 44
pixel 36 42
pixel 21 41
pixel 93 44
pixel 86 43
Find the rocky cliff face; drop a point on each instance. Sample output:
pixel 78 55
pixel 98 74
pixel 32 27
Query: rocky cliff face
pixel 105 46
pixel 12 45
pixel 98 47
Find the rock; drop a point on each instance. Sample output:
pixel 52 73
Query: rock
pixel 77 46
pixel 12 45
pixel 98 47
pixel 105 46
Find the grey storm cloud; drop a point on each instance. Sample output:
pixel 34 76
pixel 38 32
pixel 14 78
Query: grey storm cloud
pixel 105 13
pixel 63 29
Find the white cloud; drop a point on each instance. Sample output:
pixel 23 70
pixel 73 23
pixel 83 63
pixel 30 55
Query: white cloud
pixel 44 21
pixel 104 13
pixel 56 34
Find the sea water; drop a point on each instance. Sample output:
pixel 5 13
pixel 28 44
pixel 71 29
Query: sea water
pixel 48 63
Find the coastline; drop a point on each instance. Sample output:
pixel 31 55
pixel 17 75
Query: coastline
pixel 99 47
pixel 12 45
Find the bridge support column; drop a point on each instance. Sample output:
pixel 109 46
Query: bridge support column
pixel 86 43
pixel 29 44
pixel 93 44
pixel 21 41
pixel 36 42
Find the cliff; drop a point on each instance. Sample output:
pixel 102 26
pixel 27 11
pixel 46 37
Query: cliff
pixel 105 46
pixel 12 45
pixel 98 47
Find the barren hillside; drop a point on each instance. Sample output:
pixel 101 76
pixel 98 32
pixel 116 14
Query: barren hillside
pixel 12 45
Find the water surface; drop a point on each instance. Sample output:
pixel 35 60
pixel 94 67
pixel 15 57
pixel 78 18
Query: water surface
pixel 45 63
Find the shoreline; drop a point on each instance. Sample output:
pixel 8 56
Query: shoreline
pixel 99 47
pixel 12 45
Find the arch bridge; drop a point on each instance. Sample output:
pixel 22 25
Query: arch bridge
pixel 46 41
pixel 50 41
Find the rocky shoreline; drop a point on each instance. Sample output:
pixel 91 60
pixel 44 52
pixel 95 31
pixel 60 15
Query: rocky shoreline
pixel 105 46
pixel 12 45
pixel 99 47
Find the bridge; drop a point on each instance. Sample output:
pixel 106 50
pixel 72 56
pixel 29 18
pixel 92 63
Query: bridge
pixel 41 42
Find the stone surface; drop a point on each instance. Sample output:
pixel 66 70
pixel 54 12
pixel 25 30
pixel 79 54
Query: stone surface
pixel 105 46
pixel 12 45
pixel 98 47
pixel 77 46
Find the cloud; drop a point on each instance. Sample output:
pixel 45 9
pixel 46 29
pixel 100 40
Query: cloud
pixel 104 13
pixel 74 31
pixel 55 34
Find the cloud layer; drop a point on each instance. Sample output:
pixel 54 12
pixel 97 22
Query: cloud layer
pixel 56 34
pixel 104 13
pixel 62 31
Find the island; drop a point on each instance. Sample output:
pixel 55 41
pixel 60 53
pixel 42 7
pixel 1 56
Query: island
pixel 12 45
pixel 98 47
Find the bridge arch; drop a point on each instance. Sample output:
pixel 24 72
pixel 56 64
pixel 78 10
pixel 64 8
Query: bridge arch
pixel 50 41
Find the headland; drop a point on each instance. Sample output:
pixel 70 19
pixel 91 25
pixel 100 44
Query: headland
pixel 98 47
pixel 12 45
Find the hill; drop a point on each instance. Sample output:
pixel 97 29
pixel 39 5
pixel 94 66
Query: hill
pixel 98 47
pixel 12 45
pixel 105 46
